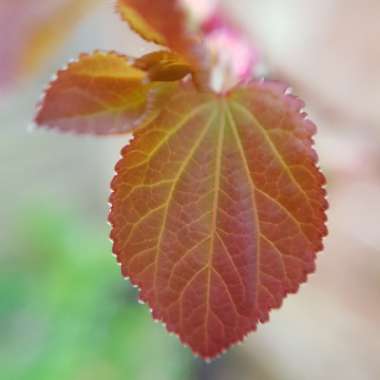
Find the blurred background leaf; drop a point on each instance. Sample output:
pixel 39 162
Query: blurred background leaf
pixel 33 31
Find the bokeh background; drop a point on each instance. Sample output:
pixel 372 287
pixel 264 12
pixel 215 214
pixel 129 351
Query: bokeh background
pixel 65 311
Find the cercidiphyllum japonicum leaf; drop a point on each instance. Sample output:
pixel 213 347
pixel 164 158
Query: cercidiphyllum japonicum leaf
pixel 131 12
pixel 163 65
pixel 164 22
pixel 101 93
pixel 218 211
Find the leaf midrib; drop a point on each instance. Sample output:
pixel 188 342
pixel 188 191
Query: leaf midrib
pixel 218 168
pixel 175 182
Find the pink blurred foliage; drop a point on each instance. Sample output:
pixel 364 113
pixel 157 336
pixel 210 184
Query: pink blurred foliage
pixel 15 20
pixel 30 33
pixel 233 54
pixel 232 45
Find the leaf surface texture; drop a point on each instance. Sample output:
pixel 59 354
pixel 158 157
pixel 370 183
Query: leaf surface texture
pixel 218 210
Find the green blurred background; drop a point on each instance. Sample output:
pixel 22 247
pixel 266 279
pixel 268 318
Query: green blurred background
pixel 65 311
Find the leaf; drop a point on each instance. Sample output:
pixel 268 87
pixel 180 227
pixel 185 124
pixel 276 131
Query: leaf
pixel 218 211
pixel 138 24
pixel 101 93
pixel 161 21
pixel 163 66
pixel 32 31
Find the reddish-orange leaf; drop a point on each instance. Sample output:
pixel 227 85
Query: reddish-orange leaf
pixel 163 66
pixel 162 21
pixel 31 31
pixel 101 93
pixel 218 210
pixel 134 17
